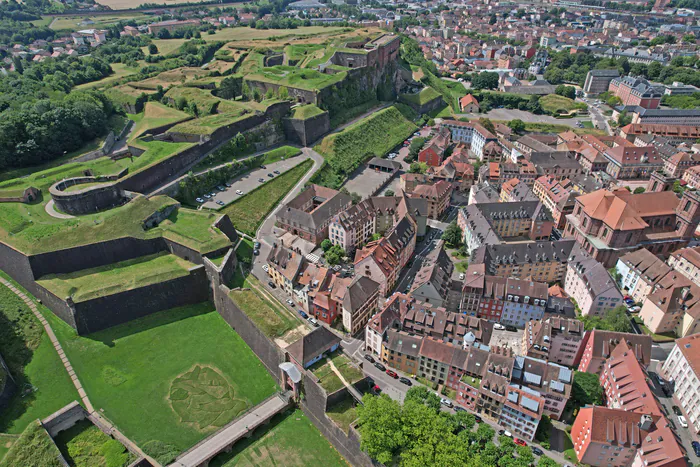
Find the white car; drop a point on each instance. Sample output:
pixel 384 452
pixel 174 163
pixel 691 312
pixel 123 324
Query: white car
pixel 199 200
pixel 461 276
pixel 683 421
pixel 239 192
pixel 290 303
pixel 498 326
pixel 508 434
pixel 446 402
pixel 266 267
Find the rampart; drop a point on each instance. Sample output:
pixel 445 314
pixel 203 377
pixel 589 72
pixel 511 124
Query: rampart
pixel 91 199
pixel 305 132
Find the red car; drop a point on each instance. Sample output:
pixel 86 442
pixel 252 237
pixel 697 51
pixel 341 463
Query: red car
pixel 519 442
pixel 376 389
pixel 392 374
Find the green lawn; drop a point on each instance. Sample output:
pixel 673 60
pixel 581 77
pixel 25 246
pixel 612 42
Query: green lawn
pixel 291 440
pixel 6 442
pixel 555 104
pixel 155 115
pixel 33 449
pixel 249 211
pixel 208 124
pixel 462 266
pixel 329 379
pixel 297 77
pixel 425 95
pixel 34 363
pixel 120 70
pixel 84 445
pixel 344 413
pixel 88 284
pixel 304 112
pixel 142 375
pixel 268 316
pixel 245 250
pixel 82 186
pixel 663 337
pixel 587 124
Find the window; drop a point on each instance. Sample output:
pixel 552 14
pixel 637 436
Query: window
pixel 585 222
pixel 605 232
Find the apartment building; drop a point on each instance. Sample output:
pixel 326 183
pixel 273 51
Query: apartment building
pixel 481 137
pixel 598 81
pixel 515 190
pixel 598 346
pixel 640 271
pixel 360 303
pixel 557 196
pixel 433 153
pixel 591 286
pixel 633 162
pixel 284 267
pixel 608 224
pixel 483 193
pixel 433 282
pixel 525 300
pixel 522 411
pixel 687 262
pixel 692 177
pixel 541 261
pixel 437 195
pixel 675 134
pixel 553 339
pixel 683 368
pixel 674 310
pixel 636 91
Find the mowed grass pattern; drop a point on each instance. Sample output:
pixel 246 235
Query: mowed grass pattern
pixel 88 284
pixel 129 370
pixel 291 440
pixel 248 212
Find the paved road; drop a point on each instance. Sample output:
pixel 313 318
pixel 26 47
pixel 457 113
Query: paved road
pixel 511 114
pixel 599 120
pixel 249 181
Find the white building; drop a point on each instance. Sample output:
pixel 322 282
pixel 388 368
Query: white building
pixel 683 368
pixel 591 286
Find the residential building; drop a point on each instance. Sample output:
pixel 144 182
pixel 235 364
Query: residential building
pixel 483 193
pixel 460 132
pixel 433 153
pixel 683 368
pixel 481 137
pixel 558 164
pixel 608 224
pixel 692 177
pixel 591 286
pixel 310 212
pixel 469 104
pixel 639 272
pixel 525 300
pixel 433 282
pixel 382 260
pixel 437 195
pixel 360 303
pixel 689 117
pixel 557 196
pixel 676 165
pixel 675 309
pixel 687 262
pixel 456 170
pixel 541 261
pixel 598 346
pixel 522 411
pixel 515 190
pixel 284 267
pixel 598 81
pixel 553 339
pixel 675 134
pixel 401 351
pixel 636 91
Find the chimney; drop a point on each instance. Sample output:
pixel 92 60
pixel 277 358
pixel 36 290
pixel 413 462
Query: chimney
pixel 645 422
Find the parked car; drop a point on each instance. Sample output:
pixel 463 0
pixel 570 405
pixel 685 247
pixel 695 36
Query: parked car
pixel 676 410
pixel 507 433
pixel 537 451
pixel 265 267
pixel 461 276
pixel 256 252
pixel 261 180
pixel 221 188
pixel 379 366
pixel 272 285
pixel 199 200
pixel 478 419
pixel 270 175
pixel 369 358
pixel 207 196
pixel 276 172
pixel 683 422
pixel 313 322
pixel 239 192
pixel 392 373
pixel 460 409
pixel 376 389
pixel 228 185
pixel 511 328
pixel 499 326
pixel 263 167
pixel 406 381
pixel 303 314
pixel 290 302
pixel 696 448
pixel 501 432
pixel 256 245
pixel 519 442
pixel 446 402
pixel 220 203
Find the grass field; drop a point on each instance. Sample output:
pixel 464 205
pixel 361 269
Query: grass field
pixel 290 440
pixel 245 250
pixel 268 316
pixel 120 71
pixel 155 115
pixel 327 377
pixel 425 95
pixel 6 442
pixel 84 445
pixel 34 448
pixel 555 104
pixel 207 124
pixel 34 363
pixel 248 212
pixel 296 77
pixel 88 284
pixel 343 414
pixel 304 112
pixel 156 365
pixel 375 135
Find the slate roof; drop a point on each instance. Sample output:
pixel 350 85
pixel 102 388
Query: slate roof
pixel 312 345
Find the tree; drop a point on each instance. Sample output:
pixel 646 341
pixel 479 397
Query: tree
pixel 453 235
pixel 326 244
pixel 493 19
pixel 485 80
pixel 488 124
pixel 418 168
pixel 689 39
pixel 566 91
pixel 389 193
pixel 423 395
pixel 152 49
pixel 284 92
pixel 334 255
pixel 586 390
pixel 516 125
pixel 381 428
pixel 639 190
pixel 484 433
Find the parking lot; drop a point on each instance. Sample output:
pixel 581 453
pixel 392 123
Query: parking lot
pixel 249 181
pixel 366 181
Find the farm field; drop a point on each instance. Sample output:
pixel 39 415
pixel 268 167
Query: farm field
pixel 290 440
pixel 79 22
pixel 34 363
pixel 248 212
pixel 113 278
pixel 155 365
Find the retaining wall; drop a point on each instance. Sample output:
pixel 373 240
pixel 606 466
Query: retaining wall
pixel 305 132
pixel 9 388
pixel 88 200
pixel 267 351
pixel 65 418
